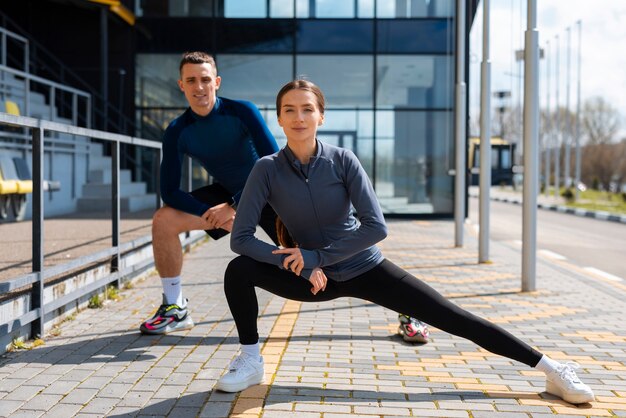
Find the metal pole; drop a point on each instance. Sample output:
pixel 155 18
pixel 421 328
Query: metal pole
pixel 531 136
pixel 460 128
pixel 115 201
pixel 37 293
pixel 485 141
pixel 104 66
pixel 568 122
pixel 548 128
pixel 577 176
pixel 557 148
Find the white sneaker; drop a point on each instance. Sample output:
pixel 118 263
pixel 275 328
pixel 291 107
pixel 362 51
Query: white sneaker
pixel 243 372
pixel 564 383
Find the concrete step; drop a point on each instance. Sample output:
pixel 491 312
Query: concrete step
pixel 99 162
pixel 127 204
pixel 103 190
pixel 106 175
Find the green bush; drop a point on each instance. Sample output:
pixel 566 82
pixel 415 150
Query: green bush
pixel 595 183
pixel 568 195
pixel 95 302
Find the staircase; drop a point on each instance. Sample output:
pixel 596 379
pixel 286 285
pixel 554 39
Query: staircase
pixel 96 193
pixel 86 186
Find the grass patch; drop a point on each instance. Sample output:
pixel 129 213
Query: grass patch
pixel 600 201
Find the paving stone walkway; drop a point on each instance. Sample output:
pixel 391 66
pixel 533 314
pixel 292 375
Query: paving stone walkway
pixel 334 359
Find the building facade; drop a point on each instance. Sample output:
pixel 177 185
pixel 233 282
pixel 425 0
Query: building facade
pixel 386 67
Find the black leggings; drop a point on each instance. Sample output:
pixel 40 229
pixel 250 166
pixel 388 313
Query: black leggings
pixel 386 285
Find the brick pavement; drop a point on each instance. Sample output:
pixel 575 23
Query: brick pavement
pixel 334 359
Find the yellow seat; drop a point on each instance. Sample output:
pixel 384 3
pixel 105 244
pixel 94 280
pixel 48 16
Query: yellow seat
pixel 12 184
pixel 12 108
pixel 8 186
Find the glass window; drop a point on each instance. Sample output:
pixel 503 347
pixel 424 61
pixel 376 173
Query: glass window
pixel 419 81
pixel 505 158
pixel 415 36
pixel 346 80
pixel 351 36
pixel 256 78
pixel 494 158
pixel 244 35
pixel 281 8
pixel 413 156
pixel 245 8
pixel 365 8
pixel 156 83
pixel 414 8
pixel 334 8
pixel 302 8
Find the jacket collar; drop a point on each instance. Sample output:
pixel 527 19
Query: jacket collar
pixel 291 158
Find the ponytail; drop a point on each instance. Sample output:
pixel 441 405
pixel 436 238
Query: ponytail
pixel 284 238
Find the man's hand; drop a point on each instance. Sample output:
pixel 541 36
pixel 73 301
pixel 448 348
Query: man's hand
pixel 318 280
pixel 294 260
pixel 219 216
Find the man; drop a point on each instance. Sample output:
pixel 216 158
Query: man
pixel 226 137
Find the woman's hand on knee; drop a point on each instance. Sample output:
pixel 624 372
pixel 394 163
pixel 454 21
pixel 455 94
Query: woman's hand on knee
pixel 294 261
pixel 318 279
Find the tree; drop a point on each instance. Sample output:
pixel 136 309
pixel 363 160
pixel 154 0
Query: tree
pixel 600 121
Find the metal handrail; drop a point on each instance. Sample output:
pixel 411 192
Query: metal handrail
pixel 3 39
pixel 36 279
pixel 54 86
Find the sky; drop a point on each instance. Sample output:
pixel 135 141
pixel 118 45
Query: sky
pixel 603 51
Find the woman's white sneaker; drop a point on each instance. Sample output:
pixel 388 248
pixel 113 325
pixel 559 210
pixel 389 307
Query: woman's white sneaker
pixel 243 372
pixel 564 383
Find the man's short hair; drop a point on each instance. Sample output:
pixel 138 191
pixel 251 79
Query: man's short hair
pixel 197 57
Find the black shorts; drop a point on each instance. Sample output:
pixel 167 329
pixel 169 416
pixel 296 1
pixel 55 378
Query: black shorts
pixel 215 194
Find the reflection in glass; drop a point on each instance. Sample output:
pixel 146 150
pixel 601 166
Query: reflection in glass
pixel 414 8
pixel 345 79
pixel 334 8
pixel 256 78
pixel 156 83
pixel 421 81
pixel 281 8
pixel 245 8
pixel 413 155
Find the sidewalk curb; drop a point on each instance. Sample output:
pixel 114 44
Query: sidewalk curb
pixel 600 215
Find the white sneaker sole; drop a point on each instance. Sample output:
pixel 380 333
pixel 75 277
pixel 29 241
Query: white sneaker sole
pixel 255 379
pixel 573 398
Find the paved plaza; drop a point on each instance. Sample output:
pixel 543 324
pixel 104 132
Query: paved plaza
pixel 334 359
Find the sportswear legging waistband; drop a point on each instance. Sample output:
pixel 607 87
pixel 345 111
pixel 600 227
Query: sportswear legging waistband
pixel 386 285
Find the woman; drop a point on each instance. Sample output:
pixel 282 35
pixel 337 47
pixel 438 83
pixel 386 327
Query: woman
pixel 311 186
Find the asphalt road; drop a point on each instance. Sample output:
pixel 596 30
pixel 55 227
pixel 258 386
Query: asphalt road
pixel 595 245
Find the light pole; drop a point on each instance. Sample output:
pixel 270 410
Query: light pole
pixel 548 126
pixel 485 141
pixel 568 122
pixel 577 176
pixel 557 148
pixel 531 135
pixel 460 126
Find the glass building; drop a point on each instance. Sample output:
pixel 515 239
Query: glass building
pixel 386 67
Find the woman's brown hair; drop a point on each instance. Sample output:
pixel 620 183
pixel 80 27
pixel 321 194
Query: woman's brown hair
pixel 301 85
pixel 284 238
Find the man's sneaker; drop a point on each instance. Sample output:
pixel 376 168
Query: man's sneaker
pixel 412 329
pixel 564 383
pixel 243 372
pixel 168 318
